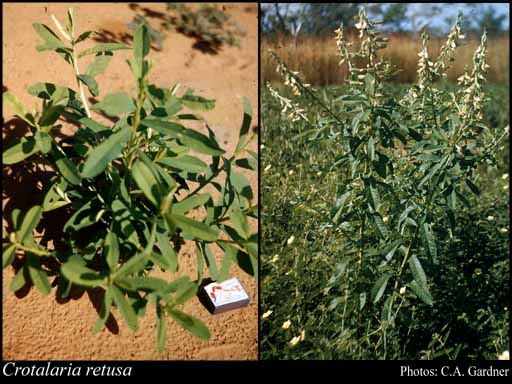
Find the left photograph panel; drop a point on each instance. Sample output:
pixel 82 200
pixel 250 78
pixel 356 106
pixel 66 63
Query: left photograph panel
pixel 130 181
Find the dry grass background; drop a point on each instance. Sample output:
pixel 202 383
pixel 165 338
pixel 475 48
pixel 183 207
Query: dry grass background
pixel 315 57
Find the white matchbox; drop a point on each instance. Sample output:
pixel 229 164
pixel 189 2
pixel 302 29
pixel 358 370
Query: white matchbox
pixel 225 296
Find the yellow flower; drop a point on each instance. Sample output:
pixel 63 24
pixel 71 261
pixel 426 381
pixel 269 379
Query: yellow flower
pixel 266 314
pixel 302 335
pixel 262 146
pixel 286 324
pixel 385 219
pixel 402 290
pixel 490 218
pixel 294 341
pixel 504 176
pixel 503 230
pixel 291 172
pixel 267 168
pixel 275 258
pixel 505 187
pixel 504 356
pixel 290 240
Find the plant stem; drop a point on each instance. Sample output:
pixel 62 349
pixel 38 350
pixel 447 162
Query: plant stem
pixel 37 252
pixel 80 85
pixel 213 176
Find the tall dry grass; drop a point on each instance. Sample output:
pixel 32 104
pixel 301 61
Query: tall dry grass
pixel 315 58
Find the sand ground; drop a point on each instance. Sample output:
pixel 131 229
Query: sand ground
pixel 44 328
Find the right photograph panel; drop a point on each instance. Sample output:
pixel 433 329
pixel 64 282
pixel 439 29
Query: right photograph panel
pixel 384 181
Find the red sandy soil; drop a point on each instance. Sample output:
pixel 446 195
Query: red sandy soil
pixel 41 328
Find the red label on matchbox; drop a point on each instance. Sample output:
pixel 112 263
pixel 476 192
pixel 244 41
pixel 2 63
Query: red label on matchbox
pixel 226 295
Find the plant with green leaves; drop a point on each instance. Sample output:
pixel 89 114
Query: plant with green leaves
pixel 127 191
pixel 406 167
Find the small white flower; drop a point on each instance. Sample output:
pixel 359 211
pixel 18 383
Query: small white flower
pixel 505 187
pixel 490 218
pixel 319 173
pixel 286 324
pixel 290 240
pixel 504 356
pixel 302 335
pixel 402 290
pixel 294 341
pixel 275 258
pixel 291 172
pixel 504 176
pixel 266 314
pixel 385 219
pixel 503 230
pixel 262 146
pixel 267 168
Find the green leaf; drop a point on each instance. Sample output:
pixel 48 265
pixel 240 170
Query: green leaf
pixel 168 252
pixel 189 203
pixel 124 307
pixel 93 125
pixel 102 47
pixel 49 91
pixel 82 218
pixel 141 43
pixel 44 141
pixel 185 292
pixel 195 228
pixel 417 271
pixel 19 280
pixel 241 185
pixel 38 276
pixel 115 104
pixel 104 153
pixel 111 247
pixel 245 137
pixel 146 283
pixel 227 261
pixel 29 223
pixel 379 287
pixel 137 262
pixel 240 222
pixel 50 38
pixel 362 300
pixel 25 148
pixel 473 187
pixel 68 169
pixel 161 329
pixel 75 271
pixel 98 65
pixel 186 163
pixel 380 226
pixel 84 36
pixel 90 83
pixel 106 305
pixel 197 103
pixel 421 292
pixel 429 241
pixel 8 254
pixel 195 140
pixel 212 264
pixel 374 194
pixel 191 324
pixel 371 148
pixel 17 107
pixel 147 181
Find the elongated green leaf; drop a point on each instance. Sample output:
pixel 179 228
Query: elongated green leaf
pixel 191 324
pixel 19 280
pixel 98 65
pixel 193 139
pixel 417 271
pixel 186 163
pixel 17 107
pixel 29 223
pixel 185 292
pixel 241 185
pixel 43 141
pixel 115 104
pixel 50 38
pixel 473 187
pixel 245 137
pixel 421 292
pixel 56 93
pixel 168 252
pixel 68 170
pixel 188 204
pixel 195 228
pixel 374 193
pixel 93 125
pixel 147 283
pixel 240 222
pixel 23 149
pixel 8 254
pixel 82 218
pixel 104 153
pixel 137 262
pixel 147 181
pixel 429 241
pixel 84 36
pixel 90 83
pixel 380 226
pixel 212 264
pixel 112 250
pixel 197 103
pixel 379 287
pixel 106 305
pixel 102 47
pixel 38 276
pixel 75 271
pixel 141 43
pixel 227 261
pixel 362 300
pixel 161 329
pixel 124 307
pixel 371 149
